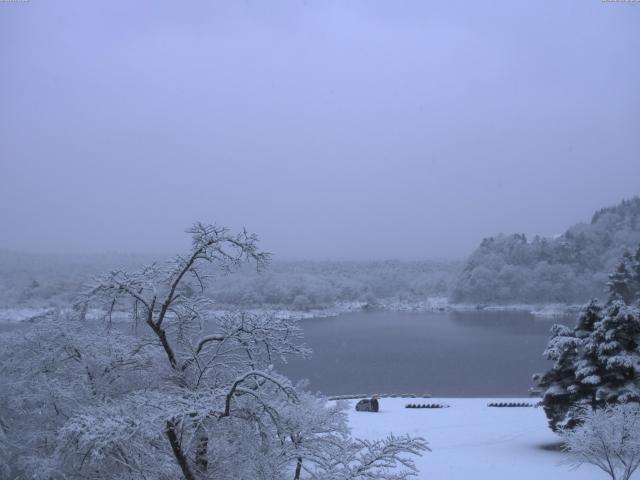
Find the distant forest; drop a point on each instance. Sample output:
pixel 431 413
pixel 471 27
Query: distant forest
pixel 568 269
pixel 504 269
pixel 37 281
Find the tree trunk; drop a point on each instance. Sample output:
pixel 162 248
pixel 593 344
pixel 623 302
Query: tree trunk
pixel 170 431
pixel 162 336
pixel 202 451
pixel 298 469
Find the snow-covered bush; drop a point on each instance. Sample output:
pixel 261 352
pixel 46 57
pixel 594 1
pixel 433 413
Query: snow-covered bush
pixel 52 371
pixel 608 438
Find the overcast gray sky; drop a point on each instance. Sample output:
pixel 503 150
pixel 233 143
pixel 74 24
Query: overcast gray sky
pixel 333 129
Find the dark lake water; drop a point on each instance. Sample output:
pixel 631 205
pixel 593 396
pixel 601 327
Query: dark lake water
pixel 444 354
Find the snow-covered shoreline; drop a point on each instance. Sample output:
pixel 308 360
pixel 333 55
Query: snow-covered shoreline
pixel 432 304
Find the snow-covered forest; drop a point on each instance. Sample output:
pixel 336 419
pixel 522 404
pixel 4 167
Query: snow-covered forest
pixel 319 240
pixel 184 392
pixel 570 268
pixel 44 281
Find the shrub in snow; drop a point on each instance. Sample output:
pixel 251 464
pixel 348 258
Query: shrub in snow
pixel 608 438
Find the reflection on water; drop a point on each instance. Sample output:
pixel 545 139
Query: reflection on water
pixel 445 354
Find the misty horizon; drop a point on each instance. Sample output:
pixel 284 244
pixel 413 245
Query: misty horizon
pixel 362 130
pixel 160 254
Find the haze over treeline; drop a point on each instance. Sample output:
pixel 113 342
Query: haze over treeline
pixel 504 269
pixel 333 129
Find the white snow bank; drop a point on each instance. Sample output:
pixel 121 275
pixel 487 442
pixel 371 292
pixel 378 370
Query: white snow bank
pixel 432 304
pixel 472 441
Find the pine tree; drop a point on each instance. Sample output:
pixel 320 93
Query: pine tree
pixel 588 370
pixel 570 384
pixel 635 273
pixel 559 383
pixel 615 343
pixel 597 363
pixel 620 285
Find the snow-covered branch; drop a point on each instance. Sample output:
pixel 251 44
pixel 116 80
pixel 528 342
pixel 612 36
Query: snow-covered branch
pixel 609 439
pixel 190 394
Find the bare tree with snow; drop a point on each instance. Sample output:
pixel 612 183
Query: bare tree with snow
pixel 194 394
pixel 608 438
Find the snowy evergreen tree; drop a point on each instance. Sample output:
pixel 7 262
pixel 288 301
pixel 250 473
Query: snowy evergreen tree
pixel 635 273
pixel 615 344
pixel 558 385
pixel 588 368
pixel 597 363
pixel 570 384
pixel 621 282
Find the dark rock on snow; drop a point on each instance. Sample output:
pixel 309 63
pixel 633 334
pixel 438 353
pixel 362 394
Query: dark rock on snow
pixel 367 405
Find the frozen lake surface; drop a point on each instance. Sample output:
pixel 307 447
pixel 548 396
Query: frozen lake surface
pixel 463 354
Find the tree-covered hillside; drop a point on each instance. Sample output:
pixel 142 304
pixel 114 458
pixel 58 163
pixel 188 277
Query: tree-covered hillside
pixel 570 268
pixel 40 281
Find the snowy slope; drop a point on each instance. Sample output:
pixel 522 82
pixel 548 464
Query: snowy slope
pixel 473 441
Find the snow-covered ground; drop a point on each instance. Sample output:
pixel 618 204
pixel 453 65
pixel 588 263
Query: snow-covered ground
pixel 471 441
